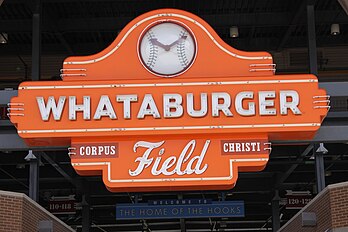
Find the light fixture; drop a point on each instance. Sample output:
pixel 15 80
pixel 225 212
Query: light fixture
pixel 20 166
pixel 312 157
pixel 335 29
pixel 328 173
pixel 3 37
pixel 30 156
pixel 344 4
pixel 321 149
pixel 234 32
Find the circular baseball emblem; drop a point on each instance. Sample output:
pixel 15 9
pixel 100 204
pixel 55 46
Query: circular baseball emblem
pixel 167 48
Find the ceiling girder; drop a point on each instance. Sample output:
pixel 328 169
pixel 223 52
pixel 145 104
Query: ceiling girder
pixel 297 16
pixel 64 25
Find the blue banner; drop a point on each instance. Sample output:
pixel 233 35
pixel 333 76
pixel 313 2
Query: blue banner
pixel 151 211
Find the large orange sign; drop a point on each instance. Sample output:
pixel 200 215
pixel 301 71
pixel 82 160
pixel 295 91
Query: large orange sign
pixel 169 105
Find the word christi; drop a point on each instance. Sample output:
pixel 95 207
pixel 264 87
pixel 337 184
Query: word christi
pixel 173 107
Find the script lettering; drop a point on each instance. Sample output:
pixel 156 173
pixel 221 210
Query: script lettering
pixel 171 165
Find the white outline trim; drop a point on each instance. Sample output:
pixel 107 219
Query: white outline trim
pixel 175 16
pixel 119 129
pixel 170 179
pixel 170 84
pixel 15 104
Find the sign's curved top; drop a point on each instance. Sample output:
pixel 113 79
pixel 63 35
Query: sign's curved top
pixel 120 60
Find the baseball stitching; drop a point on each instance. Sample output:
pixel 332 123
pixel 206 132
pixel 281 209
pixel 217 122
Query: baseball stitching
pixel 153 51
pixel 182 51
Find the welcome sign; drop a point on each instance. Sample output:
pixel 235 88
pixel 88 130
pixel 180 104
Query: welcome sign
pixel 169 106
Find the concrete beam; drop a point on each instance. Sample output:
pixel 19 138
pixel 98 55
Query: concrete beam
pixel 6 95
pixel 335 89
pixel 10 141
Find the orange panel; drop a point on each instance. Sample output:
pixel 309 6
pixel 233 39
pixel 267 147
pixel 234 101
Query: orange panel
pixel 203 163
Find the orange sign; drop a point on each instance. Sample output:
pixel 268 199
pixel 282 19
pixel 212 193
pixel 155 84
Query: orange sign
pixel 172 164
pixel 169 105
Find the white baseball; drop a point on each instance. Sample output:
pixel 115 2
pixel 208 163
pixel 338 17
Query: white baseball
pixel 167 49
